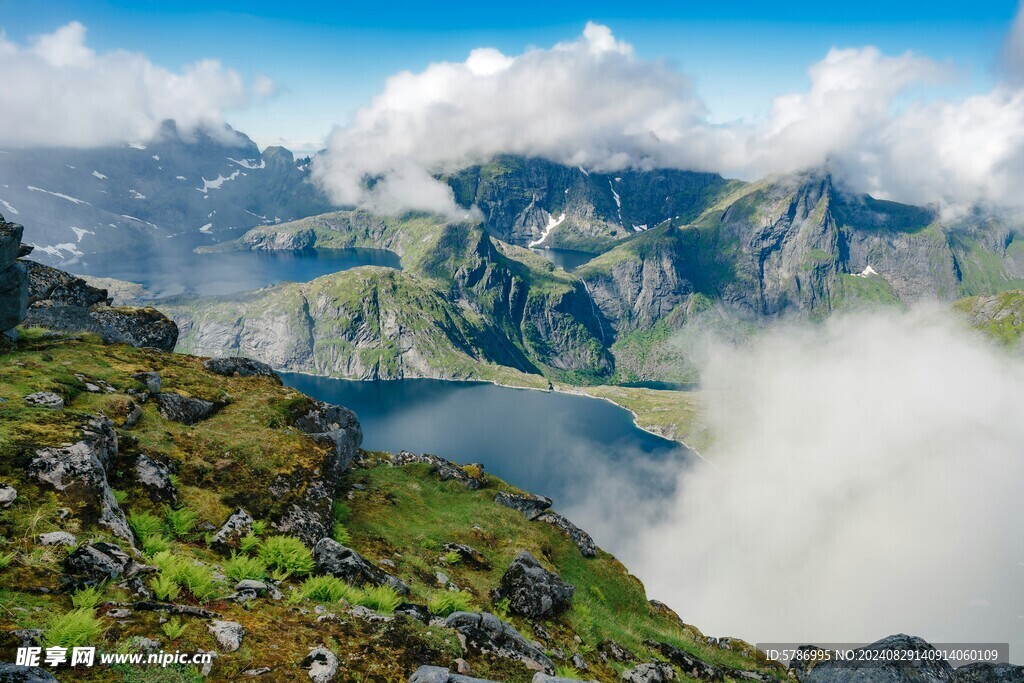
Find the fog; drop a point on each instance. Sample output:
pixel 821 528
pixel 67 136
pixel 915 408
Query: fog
pixel 866 480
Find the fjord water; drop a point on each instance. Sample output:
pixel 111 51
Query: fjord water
pixel 566 259
pixel 176 270
pixel 574 449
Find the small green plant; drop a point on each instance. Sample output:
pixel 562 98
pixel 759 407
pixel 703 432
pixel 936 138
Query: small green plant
pixel 249 543
pixel 7 558
pixel 241 567
pixel 451 558
pixel 328 589
pixel 164 588
pixel 145 524
pixel 381 599
pixel 287 554
pixel 444 603
pixel 259 527
pixel 599 594
pixel 181 522
pixel 76 628
pixel 501 609
pixel 89 597
pixel 173 628
pixel 151 545
pixel 339 532
pixel 120 496
pixel 566 671
pixel 183 572
pixel 294 597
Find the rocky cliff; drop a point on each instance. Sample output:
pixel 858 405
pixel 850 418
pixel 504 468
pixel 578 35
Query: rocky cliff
pixel 13 279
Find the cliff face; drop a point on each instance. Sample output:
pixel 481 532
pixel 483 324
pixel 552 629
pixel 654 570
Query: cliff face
pixel 13 279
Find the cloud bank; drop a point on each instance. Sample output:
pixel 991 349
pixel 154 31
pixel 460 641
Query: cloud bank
pixel 593 102
pixel 867 482
pixel 60 92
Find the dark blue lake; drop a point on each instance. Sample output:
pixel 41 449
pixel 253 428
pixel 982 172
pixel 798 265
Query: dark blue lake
pixel 575 449
pixel 566 259
pixel 177 270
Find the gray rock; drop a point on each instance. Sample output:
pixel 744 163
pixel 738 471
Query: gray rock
pixel 925 669
pixel 12 673
pixel 237 526
pixel 58 538
pixel 577 535
pixel 156 478
pixel 13 277
pixel 541 677
pixel 152 380
pixel 237 365
pixel 322 665
pixel 610 649
pixel 46 283
pixel 8 494
pixel 468 554
pixel 120 613
pixel 250 589
pixel 27 637
pixel 487 633
pixel 578 662
pixel 252 673
pixel 652 672
pixel 337 426
pixel 133 416
pixel 533 591
pixel 437 674
pixel 229 634
pixel 529 504
pixel 690 666
pixel 336 560
pixel 182 409
pixel 46 399
pixel 79 472
pixel 417 612
pixel 444 469
pixel 985 672
pixel 95 563
pixel 143 644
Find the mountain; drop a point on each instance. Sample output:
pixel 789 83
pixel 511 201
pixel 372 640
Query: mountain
pixel 80 201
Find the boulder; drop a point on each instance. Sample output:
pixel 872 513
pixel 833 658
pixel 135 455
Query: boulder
pixel 250 589
pixel 13 277
pixel 8 494
pixel 532 591
pixel 229 634
pixel 471 476
pixel 12 673
pixel 335 425
pixel 46 283
pixel 155 477
pixel 58 538
pixel 986 672
pixel 79 472
pixel 875 669
pixel 322 665
pixel 46 399
pixel 487 633
pixel 527 503
pixel 237 526
pixel 417 612
pixel 577 535
pixel 690 666
pixel 237 365
pixel 541 677
pixel 468 555
pixel 139 327
pixel 182 409
pixel 336 560
pixel 152 380
pixel 95 563
pixel 652 672
pixel 437 674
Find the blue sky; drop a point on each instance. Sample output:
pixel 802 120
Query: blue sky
pixel 328 59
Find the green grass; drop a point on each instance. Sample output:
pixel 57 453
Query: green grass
pixel 79 627
pixel 286 554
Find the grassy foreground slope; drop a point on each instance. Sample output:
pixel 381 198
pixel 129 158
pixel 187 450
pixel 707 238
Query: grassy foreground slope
pixel 252 454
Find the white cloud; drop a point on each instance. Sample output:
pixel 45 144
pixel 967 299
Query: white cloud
pixel 866 483
pixel 591 101
pixel 60 92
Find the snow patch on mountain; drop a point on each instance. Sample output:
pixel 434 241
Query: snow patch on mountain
pixel 552 224
pixel 75 200
pixel 217 182
pixel 249 163
pixel 97 174
pixel 9 207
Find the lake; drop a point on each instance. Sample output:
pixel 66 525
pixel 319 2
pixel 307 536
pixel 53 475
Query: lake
pixel 575 449
pixel 566 259
pixel 177 270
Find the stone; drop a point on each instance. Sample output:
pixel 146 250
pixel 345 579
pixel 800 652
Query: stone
pixel 12 673
pixel 252 673
pixel 322 665
pixel 336 560
pixel 987 672
pixel 229 634
pixel 46 399
pixel 46 283
pixel 487 633
pixel 13 277
pixel 532 591
pixel 541 677
pixel 471 476
pixel 237 365
pixel 438 674
pixel 237 526
pixel 532 506
pixel 610 649
pixel 578 662
pixel 27 637
pixel 258 589
pixel 578 536
pixel 8 494
pixel 469 555
pixel 652 672
pixel 133 416
pixel 690 666
pixel 336 426
pixel 152 380
pixel 95 563
pixel 417 612
pixel 58 538
pixel 156 478
pixel 868 669
pixel 120 613
pixel 182 409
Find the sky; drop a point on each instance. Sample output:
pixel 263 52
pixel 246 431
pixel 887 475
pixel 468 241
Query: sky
pixel 327 59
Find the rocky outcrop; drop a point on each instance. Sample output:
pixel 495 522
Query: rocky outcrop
pixel 468 555
pixel 334 559
pixel 237 526
pixel 238 366
pixel 651 672
pixel 66 303
pixel 487 633
pixel 437 674
pixel 8 494
pixel 155 478
pixel 577 535
pixel 229 634
pixel 690 666
pixel 471 476
pixel 184 409
pixel 13 673
pixel 873 669
pixel 986 672
pixel 13 279
pixel 95 563
pixel 531 505
pixel 79 473
pixel 532 591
